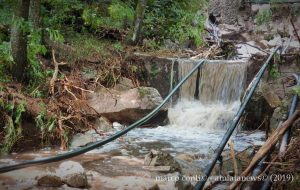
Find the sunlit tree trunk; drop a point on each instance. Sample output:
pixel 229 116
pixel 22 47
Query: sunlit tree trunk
pixel 19 39
pixel 135 33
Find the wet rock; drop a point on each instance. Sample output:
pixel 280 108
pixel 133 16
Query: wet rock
pixel 260 107
pixel 104 124
pixel 158 168
pixel 270 96
pixel 185 157
pixel 157 72
pixel 280 113
pixel 158 158
pixel 263 44
pixel 78 180
pixel 50 181
pixel 127 106
pixel 117 126
pixel 277 40
pixel 124 84
pixel 69 168
pixel 189 168
pixel 154 187
pixel 80 140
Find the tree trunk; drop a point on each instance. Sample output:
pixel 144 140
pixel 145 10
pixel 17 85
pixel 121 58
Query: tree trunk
pixel 34 13
pixel 135 34
pixel 19 40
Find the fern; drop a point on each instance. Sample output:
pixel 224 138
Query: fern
pixel 45 125
pixel 13 128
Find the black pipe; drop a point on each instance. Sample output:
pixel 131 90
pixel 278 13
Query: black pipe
pixel 267 184
pixel 286 136
pixel 200 184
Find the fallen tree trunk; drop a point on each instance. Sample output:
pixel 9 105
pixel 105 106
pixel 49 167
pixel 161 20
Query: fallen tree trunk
pixel 272 140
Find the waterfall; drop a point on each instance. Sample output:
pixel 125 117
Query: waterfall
pixel 210 97
pixel 219 81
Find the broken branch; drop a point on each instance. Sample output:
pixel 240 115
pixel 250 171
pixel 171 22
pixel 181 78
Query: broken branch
pixel 272 140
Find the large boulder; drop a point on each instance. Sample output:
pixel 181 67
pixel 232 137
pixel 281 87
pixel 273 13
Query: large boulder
pixel 127 106
pixel 260 107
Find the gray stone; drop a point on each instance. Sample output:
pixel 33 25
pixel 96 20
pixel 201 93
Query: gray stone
pixel 157 71
pixel 50 181
pixel 260 107
pixel 185 157
pixel 229 11
pixel 171 45
pixel 126 106
pixel 277 40
pixel 158 158
pixel 263 44
pixel 80 140
pixel 78 180
pixel 214 7
pixel 69 168
pixel 104 124
pixel 124 84
pixel 270 96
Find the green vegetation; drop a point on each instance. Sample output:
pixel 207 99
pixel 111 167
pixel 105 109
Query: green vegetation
pixel 45 125
pixel 175 20
pixel 264 17
pixel 92 38
pixel 13 124
pixel 143 92
pixel 274 68
pixel 154 70
pixel 296 90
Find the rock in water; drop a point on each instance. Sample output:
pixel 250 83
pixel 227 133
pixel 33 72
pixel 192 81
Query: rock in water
pixel 80 140
pixel 127 106
pixel 77 180
pixel 154 187
pixel 158 158
pixel 260 107
pixel 69 168
pixel 50 181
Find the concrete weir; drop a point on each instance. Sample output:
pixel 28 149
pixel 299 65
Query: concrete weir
pixel 163 73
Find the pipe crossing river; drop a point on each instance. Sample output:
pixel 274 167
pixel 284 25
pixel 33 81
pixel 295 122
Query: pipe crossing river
pixel 235 122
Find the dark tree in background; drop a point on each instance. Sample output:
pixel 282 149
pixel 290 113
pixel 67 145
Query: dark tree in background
pixel 19 39
pixel 135 33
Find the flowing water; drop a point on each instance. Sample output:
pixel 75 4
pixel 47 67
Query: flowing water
pixel 196 124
